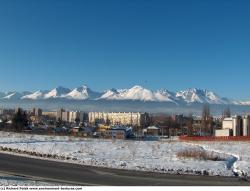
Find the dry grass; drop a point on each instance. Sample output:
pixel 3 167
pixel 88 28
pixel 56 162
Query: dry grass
pixel 199 154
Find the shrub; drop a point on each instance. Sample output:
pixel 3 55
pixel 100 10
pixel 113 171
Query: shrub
pixel 199 154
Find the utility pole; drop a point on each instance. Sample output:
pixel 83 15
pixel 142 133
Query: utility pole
pixel 182 133
pixel 169 133
pixel 162 133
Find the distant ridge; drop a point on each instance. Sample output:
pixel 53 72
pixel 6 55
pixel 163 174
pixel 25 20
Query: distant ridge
pixel 135 93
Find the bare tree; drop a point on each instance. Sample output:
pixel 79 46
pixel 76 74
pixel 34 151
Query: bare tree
pixel 190 125
pixel 206 120
pixel 4 122
pixel 227 113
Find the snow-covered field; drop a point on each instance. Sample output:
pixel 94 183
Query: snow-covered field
pixel 132 155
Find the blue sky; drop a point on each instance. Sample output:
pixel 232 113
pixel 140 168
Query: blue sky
pixel 174 44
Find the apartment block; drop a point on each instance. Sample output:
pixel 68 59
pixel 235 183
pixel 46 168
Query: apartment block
pixel 119 118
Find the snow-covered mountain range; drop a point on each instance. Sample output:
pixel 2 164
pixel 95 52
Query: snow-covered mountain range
pixel 136 93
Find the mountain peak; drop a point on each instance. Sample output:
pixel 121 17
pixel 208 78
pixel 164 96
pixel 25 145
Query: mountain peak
pixel 57 92
pixel 82 93
pixel 137 87
pixel 85 86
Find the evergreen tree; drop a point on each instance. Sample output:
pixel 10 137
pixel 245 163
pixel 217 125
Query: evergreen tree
pixel 19 120
pixel 59 122
pixel 77 120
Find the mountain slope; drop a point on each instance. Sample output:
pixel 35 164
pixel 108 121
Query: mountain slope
pixel 58 92
pixel 244 102
pixel 166 96
pixel 36 95
pixel 140 94
pixel 82 93
pixel 14 95
pixel 201 96
pixel 110 94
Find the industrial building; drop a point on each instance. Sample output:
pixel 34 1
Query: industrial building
pixel 235 126
pixel 246 125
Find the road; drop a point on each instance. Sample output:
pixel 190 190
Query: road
pixel 73 174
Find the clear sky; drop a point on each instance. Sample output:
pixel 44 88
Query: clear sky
pixel 174 44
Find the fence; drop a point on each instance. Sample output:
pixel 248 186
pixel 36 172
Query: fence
pixel 213 138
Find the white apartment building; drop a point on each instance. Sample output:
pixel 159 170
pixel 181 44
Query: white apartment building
pixel 71 116
pixel 65 116
pixel 119 118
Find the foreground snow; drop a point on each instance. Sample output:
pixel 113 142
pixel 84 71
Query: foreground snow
pixel 9 180
pixel 132 155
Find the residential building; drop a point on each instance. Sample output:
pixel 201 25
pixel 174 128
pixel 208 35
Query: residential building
pixel 153 131
pixel 65 116
pixel 70 116
pixel 118 133
pixel 17 109
pixel 75 116
pixel 59 114
pixel 7 111
pixel 51 114
pixel 119 118
pixel 38 112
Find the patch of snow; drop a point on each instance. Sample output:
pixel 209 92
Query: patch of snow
pixel 165 95
pixel 110 94
pixel 194 95
pixel 244 102
pixel 36 95
pixel 12 95
pixel 139 93
pixel 57 93
pixel 82 93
